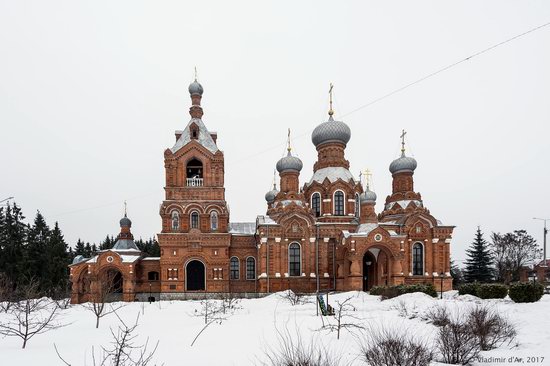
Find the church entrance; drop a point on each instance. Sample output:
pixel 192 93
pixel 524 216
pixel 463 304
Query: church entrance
pixel 114 281
pixel 195 276
pixel 369 271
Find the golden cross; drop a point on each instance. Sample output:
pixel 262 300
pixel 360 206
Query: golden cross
pixel 195 73
pixel 330 111
pixel 403 141
pixel 367 175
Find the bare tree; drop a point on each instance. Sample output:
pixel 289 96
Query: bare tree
pixel 31 315
pixel 229 303
pixel 99 302
pixel 294 298
pixel 512 251
pixel 7 293
pixel 123 350
pixel 344 318
pixel 212 312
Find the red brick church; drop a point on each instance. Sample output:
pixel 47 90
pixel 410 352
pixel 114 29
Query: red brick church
pixel 323 234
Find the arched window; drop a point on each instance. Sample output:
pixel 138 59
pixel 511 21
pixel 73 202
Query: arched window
pixel 194 220
pixel 175 220
pixel 418 259
pixel 357 205
pixel 339 203
pixel 250 268
pixel 153 276
pixel 316 204
pixel 194 168
pixel 214 220
pixel 294 260
pixel 234 268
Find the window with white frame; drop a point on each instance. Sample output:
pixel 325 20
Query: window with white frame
pixel 357 205
pixel 294 260
pixel 194 220
pixel 418 259
pixel 250 268
pixel 234 268
pixel 316 204
pixel 339 203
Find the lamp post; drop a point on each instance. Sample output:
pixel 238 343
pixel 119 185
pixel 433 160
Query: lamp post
pixel 441 275
pixel 545 232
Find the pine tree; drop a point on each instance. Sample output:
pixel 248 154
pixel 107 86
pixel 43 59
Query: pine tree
pixel 479 261
pixel 80 249
pixel 35 259
pixel 88 250
pixel 58 258
pixel 107 243
pixel 13 236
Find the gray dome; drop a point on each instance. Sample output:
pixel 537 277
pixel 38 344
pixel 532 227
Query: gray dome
pixel 331 131
pixel 403 164
pixel 125 222
pixel 368 196
pixel 195 88
pixel 289 162
pixel 270 196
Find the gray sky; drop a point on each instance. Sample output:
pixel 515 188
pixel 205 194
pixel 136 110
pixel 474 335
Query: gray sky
pixel 91 93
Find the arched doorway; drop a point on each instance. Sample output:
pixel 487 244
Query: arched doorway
pixel 370 272
pixel 195 276
pixel 114 281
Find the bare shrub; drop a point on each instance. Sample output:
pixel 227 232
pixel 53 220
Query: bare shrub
pixel 403 310
pixel 30 316
pixel 384 347
pixel 490 328
pixel 123 350
pixel 343 318
pixel 99 301
pixel 294 298
pixel 438 315
pixel 291 350
pixel 456 343
pixel 212 312
pixel 229 303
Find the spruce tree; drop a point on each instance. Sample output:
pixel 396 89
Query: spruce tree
pixel 479 260
pixel 13 236
pixel 35 259
pixel 58 259
pixel 88 250
pixel 80 249
pixel 107 243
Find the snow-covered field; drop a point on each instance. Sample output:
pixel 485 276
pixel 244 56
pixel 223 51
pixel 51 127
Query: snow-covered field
pixel 243 337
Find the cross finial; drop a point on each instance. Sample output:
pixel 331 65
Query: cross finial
pixel 330 111
pixel 367 173
pixel 403 141
pixel 196 73
pixel 288 142
pixel 274 179
pixel 125 208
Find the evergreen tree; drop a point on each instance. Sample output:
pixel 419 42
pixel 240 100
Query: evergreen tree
pixel 457 275
pixel 88 250
pixel 80 248
pixel 150 246
pixel 107 243
pixel 479 260
pixel 58 258
pixel 13 236
pixel 35 259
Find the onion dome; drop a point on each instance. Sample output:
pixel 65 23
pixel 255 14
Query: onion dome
pixel 289 163
pixel 331 131
pixel 125 222
pixel 368 196
pixel 270 196
pixel 195 88
pixel 403 164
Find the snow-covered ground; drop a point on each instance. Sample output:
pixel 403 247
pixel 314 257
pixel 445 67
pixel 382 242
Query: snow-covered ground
pixel 243 337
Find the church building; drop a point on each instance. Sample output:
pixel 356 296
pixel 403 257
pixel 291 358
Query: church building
pixel 323 235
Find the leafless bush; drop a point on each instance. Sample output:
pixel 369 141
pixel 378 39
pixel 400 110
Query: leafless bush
pixel 456 343
pixel 401 306
pixel 294 298
pixel 490 328
pixel 344 318
pixel 123 350
pixel 291 350
pixel 99 301
pixel 438 315
pixel 384 347
pixel 229 303
pixel 30 316
pixel 212 312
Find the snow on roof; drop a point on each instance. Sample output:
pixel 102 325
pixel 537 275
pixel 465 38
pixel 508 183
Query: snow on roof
pixel 125 245
pixel 151 259
pixel 129 258
pixel 362 230
pixel 265 220
pixel 204 137
pixel 333 174
pixel 285 203
pixel 404 203
pixel 242 228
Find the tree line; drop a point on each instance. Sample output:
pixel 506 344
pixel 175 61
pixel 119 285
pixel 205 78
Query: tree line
pixel 39 252
pixel 500 260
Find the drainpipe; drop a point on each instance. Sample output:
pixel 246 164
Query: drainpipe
pixel 267 264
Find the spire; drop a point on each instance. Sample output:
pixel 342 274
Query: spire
pixel 289 147
pixel 403 134
pixel 125 209
pixel 330 110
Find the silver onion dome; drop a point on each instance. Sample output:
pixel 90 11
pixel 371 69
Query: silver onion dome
pixel 195 88
pixel 125 222
pixel 403 164
pixel 270 196
pixel 330 131
pixel 368 196
pixel 289 162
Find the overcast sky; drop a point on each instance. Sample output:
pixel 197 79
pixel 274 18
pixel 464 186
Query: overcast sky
pixel 92 91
